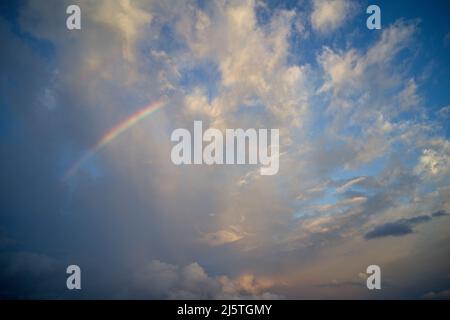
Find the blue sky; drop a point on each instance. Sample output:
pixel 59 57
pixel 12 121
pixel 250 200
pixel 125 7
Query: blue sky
pixel 364 141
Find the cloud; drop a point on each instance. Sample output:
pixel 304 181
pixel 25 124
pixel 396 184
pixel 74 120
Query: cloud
pixel 409 98
pixel 350 183
pixel 164 280
pixel 350 70
pixel 434 163
pixel 444 112
pixel 221 237
pixel 359 87
pixel 108 40
pixel 340 284
pixel 342 203
pixel 446 39
pixel 440 213
pixel 328 15
pixel 31 263
pixel 400 227
pixel 124 18
pixel 229 35
pixel 440 295
pixel 395 229
pixel 352 151
pixel 30 275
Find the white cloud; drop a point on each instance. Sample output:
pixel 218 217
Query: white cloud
pixel 409 97
pixel 434 163
pixel 328 15
pixel 349 184
pixel 252 60
pixel 351 70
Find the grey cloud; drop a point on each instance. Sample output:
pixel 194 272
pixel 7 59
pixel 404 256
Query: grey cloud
pixel 416 220
pixel 401 227
pixel 30 275
pixel 389 229
pixel 440 213
pixel 441 295
pixel 31 263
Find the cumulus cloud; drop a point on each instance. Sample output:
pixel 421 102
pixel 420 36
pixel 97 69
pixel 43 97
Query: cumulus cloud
pixel 165 280
pixel 233 41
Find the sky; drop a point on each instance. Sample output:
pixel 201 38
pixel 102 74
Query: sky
pixel 86 176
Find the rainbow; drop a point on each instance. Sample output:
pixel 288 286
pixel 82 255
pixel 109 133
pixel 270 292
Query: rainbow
pixel 114 132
